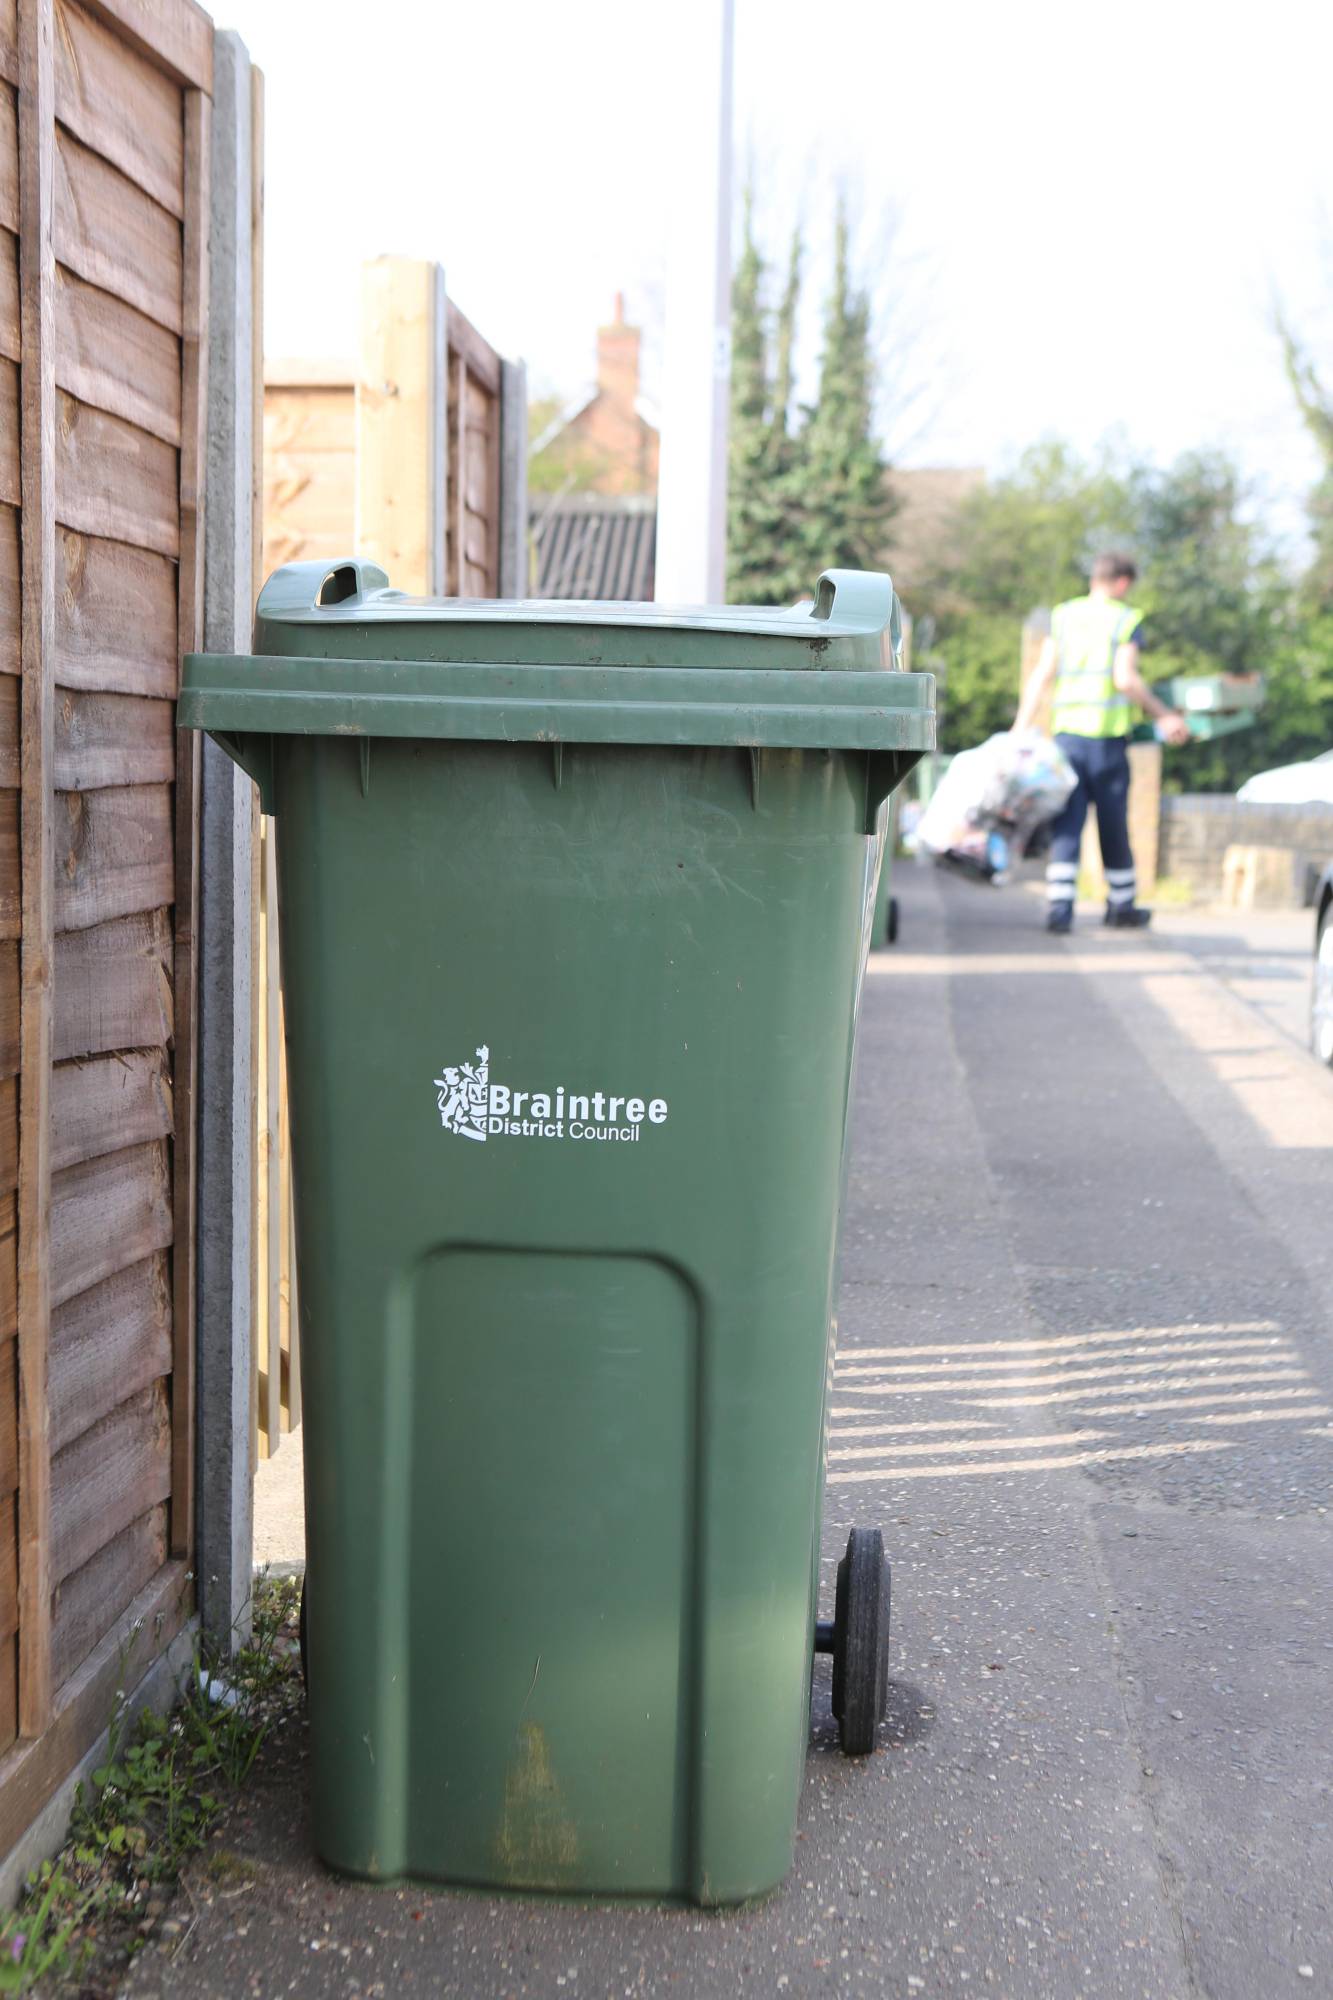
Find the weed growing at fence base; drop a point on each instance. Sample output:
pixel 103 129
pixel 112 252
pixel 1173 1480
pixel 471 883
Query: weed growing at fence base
pixel 151 1804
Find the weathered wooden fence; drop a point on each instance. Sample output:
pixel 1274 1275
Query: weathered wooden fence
pixel 415 456
pixel 413 453
pixel 104 171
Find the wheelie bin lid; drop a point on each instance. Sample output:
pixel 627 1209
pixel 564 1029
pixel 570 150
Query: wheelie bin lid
pixel 339 652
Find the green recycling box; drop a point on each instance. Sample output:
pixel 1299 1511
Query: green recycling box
pixel 574 904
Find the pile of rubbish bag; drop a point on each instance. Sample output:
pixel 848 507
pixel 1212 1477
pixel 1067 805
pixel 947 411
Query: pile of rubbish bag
pixel 991 802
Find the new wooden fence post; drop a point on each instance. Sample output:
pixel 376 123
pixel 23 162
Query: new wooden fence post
pixel 36 135
pixel 401 422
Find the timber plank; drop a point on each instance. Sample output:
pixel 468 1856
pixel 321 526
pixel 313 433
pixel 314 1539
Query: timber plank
pixel 479 356
pixel 317 419
pixel 30 1771
pixel 114 357
pixel 9 1539
pixel 309 505
pixel 9 433
pixel 9 1437
pixel 9 1672
pixel 10 636
pixel 10 337
pixel 113 987
pixel 475 539
pixel 190 627
pixel 178 38
pixel 477 475
pixel 108 739
pixel 9 158
pixel 108 1343
pixel 9 1280
pixel 114 854
pixel 9 1008
pixel 481 404
pixel 400 398
pixel 11 770
pixel 115 617
pixel 9 1692
pixel 109 1477
pixel 9 40
pixel 10 912
pixel 105 1103
pixel 114 479
pixel 106 1215
pixel 119 104
pixel 36 194
pixel 9 1140
pixel 113 235
pixel 94 1597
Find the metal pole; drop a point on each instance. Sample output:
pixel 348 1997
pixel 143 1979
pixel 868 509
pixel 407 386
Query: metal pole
pixel 692 485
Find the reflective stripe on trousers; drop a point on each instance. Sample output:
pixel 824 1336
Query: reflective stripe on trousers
pixel 1101 766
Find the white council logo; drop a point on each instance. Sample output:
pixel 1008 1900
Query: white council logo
pixel 475 1108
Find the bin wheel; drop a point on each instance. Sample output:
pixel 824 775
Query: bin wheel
pixel 891 928
pixel 861 1642
pixel 302 1629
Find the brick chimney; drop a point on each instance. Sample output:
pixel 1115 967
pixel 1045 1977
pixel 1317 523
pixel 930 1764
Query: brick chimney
pixel 618 360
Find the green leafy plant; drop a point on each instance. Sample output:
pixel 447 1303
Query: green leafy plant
pixel 151 1804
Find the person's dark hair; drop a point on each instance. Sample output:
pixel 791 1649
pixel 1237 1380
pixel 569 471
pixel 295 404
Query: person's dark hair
pixel 1110 567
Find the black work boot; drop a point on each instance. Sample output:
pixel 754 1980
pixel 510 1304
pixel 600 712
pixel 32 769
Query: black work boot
pixel 1060 918
pixel 1126 917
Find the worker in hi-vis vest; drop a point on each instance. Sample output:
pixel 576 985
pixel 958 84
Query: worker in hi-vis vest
pixel 1091 658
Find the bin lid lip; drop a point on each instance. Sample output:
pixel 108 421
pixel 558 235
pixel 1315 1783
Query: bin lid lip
pixel 847 604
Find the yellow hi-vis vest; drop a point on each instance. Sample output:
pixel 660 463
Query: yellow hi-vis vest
pixel 1087 631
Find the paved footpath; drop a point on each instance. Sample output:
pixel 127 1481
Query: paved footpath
pixel 1086 1385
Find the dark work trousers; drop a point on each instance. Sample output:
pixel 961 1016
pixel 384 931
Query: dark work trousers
pixel 1101 765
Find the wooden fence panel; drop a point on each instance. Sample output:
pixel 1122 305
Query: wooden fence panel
pixel 337 463
pixel 309 462
pixel 103 307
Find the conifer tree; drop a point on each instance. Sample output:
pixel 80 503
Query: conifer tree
pixel 848 506
pixel 787 568
pixel 802 495
pixel 749 495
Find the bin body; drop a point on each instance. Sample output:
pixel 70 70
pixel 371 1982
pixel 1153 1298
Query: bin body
pixel 882 931
pixel 569 1041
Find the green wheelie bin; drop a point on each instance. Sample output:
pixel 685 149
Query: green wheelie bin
pixel 884 927
pixel 575 902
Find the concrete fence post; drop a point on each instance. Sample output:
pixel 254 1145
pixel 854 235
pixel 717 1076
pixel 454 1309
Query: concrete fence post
pixel 225 1473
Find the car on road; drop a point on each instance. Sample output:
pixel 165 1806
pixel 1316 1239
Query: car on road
pixel 1307 784
pixel 1321 992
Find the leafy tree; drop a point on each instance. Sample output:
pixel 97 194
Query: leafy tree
pixel 1316 406
pixel 1213 596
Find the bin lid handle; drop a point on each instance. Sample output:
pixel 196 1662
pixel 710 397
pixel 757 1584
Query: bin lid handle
pixel 349 579
pixel 862 600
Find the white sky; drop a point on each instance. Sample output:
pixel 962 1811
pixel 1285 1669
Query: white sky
pixel 1094 201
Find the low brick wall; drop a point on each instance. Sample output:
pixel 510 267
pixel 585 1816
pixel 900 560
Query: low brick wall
pixel 1198 827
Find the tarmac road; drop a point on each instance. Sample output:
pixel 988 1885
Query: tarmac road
pixel 1086 1385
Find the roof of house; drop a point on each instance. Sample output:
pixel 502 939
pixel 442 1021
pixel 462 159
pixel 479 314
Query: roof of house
pixel 595 545
pixel 644 408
